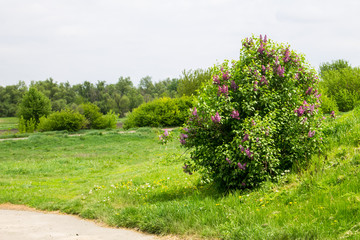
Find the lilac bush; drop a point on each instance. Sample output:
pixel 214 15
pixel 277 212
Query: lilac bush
pixel 255 118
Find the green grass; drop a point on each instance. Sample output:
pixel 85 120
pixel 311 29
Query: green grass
pixel 130 180
pixel 8 123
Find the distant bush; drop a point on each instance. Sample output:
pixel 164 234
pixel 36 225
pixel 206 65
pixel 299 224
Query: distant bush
pixel 26 126
pixel 343 85
pixel 163 112
pixel 64 120
pixel 91 112
pixel 105 121
pixel 95 119
pixel 328 104
pixel 34 105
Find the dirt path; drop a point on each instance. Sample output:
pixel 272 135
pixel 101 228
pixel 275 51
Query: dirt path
pixel 22 223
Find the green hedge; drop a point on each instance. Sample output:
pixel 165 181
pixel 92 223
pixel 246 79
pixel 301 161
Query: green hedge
pixel 163 112
pixel 63 120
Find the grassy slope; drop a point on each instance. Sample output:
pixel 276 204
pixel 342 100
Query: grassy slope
pixel 130 180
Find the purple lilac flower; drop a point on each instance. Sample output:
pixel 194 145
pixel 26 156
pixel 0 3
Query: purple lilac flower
pixel 297 76
pixel 265 38
pixel 311 134
pixel 248 153
pixel 311 109
pixel 166 133
pixel 216 118
pixel 304 120
pixel 228 160
pixel 308 92
pixel 280 71
pixel 235 114
pixel 263 68
pixel 194 112
pixel 287 55
pixel 241 166
pixel 246 138
pixel 183 138
pixel 234 86
pixel 241 148
pixel 186 129
pixel 226 76
pixel 261 49
pixel 243 184
pixel 253 122
pixel 223 89
pixel 300 111
pixel 216 79
pixel 257 139
pixel 263 80
pixel 332 114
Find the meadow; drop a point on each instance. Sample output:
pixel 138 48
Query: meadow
pixel 128 179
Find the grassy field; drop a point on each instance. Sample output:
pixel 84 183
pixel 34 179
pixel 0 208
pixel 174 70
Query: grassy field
pixel 8 123
pixel 130 180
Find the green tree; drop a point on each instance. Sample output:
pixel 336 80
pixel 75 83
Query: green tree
pixel 191 81
pixel 334 65
pixel 34 105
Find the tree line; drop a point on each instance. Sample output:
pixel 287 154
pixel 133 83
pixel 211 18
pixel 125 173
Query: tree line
pixel 120 97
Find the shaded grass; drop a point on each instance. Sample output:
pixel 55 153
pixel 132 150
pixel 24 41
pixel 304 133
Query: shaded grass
pixel 130 180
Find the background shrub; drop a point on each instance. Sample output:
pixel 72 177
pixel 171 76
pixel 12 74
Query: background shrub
pixel 341 83
pixel 255 118
pixel 64 120
pixel 34 104
pixel 26 126
pixel 328 104
pixel 163 112
pixel 105 121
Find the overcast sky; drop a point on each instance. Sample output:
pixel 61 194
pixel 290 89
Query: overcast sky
pixel 91 40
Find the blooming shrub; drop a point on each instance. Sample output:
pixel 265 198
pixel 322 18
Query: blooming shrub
pixel 165 137
pixel 254 119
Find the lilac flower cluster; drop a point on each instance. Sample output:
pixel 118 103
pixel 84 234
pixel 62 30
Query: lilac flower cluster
pixel 286 56
pixel 235 114
pixel 332 114
pixel 248 42
pixel 216 118
pixel 234 86
pixel 223 90
pixel 183 138
pixel 246 138
pixel 216 79
pixel 261 49
pixel 164 137
pixel 280 71
pixel 241 166
pixel 311 134
pixel 305 107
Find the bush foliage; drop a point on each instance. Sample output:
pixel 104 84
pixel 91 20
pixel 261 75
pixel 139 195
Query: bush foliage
pixel 34 105
pixel 256 118
pixel 163 112
pixel 341 83
pixel 63 120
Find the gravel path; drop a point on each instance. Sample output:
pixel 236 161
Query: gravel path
pixel 36 225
